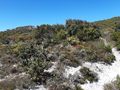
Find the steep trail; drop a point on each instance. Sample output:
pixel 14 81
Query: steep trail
pixel 106 73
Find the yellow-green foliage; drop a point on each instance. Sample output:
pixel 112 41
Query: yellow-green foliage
pixel 73 40
pixel 111 23
pixel 116 37
pixel 17 47
pixel 61 35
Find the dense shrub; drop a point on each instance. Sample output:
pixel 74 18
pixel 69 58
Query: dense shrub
pixel 34 62
pixel 88 34
pixel 108 49
pixel 116 37
pixel 60 35
pixel 83 30
pixel 91 55
pixel 73 40
pixel 78 88
pixel 109 59
pixel 26 53
pixel 36 70
pixel 88 74
pixel 44 32
pixel 118 46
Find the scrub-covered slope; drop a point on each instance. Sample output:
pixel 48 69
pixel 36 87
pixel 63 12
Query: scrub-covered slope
pixel 57 57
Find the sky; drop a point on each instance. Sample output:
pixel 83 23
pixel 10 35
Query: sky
pixel 14 13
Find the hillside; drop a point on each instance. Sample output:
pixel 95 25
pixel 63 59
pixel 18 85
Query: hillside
pixel 60 57
pixel 111 23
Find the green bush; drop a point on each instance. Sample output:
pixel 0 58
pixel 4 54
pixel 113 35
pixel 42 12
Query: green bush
pixel 108 49
pixel 91 56
pixel 88 74
pixel 73 40
pixel 36 69
pixel 85 31
pixel 118 47
pixel 60 35
pixel 78 87
pixel 26 53
pixel 88 34
pixel 34 62
pixel 109 59
pixel 116 37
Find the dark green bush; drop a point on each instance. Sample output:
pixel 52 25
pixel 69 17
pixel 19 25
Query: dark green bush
pixel 78 88
pixel 83 30
pixel 88 74
pixel 109 59
pixel 34 61
pixel 60 35
pixel 116 37
pixel 36 70
pixel 108 49
pixel 91 56
pixel 118 43
pixel 88 34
